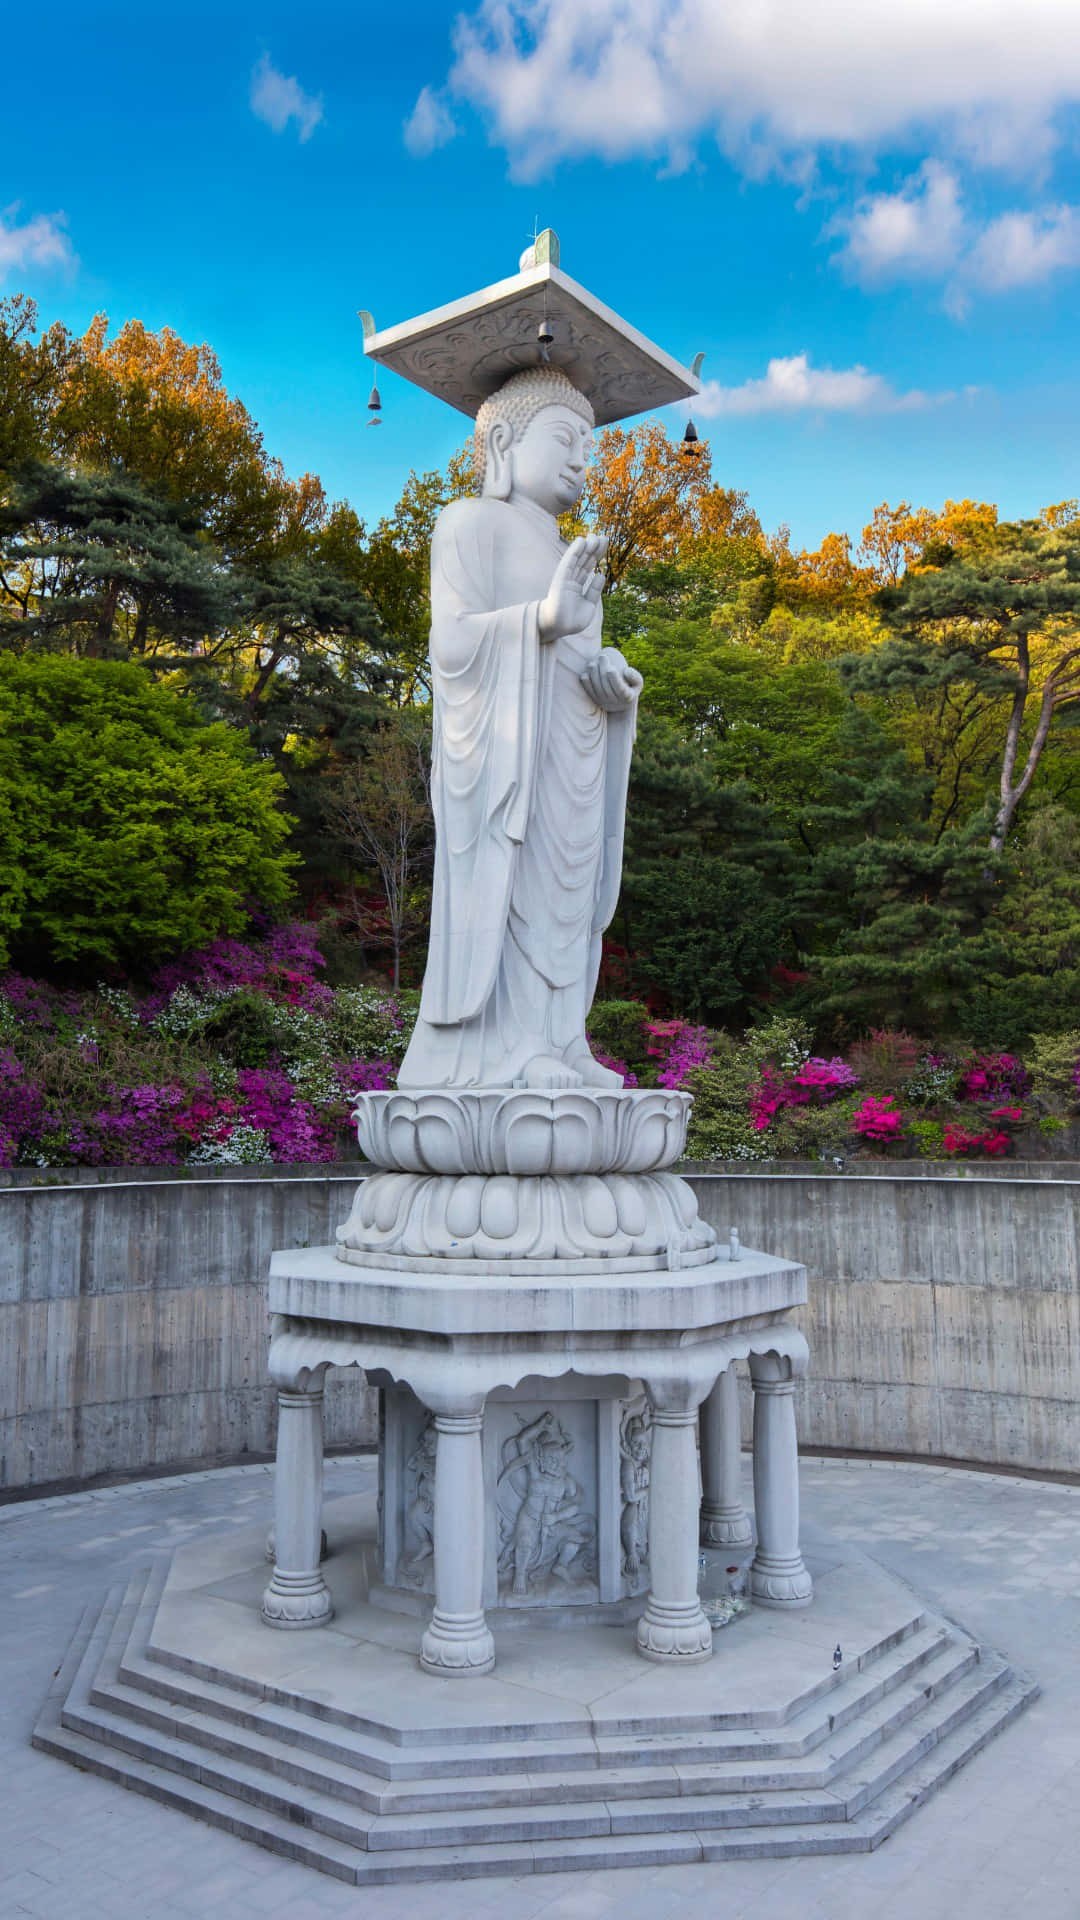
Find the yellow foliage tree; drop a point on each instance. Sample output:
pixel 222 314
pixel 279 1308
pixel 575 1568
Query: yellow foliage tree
pixel 157 405
pixel 896 538
pixel 645 494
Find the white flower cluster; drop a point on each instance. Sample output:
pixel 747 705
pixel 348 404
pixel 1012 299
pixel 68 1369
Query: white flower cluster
pixel 119 1002
pixel 300 1033
pixel 187 1011
pixel 315 1081
pixel 244 1147
pixel 932 1080
pixel 366 1021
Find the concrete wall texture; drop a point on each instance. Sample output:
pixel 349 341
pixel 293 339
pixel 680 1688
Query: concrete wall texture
pixel 944 1314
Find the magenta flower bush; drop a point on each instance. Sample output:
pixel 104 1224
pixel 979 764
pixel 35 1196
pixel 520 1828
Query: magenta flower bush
pixel 241 1054
pixel 815 1083
pixel 878 1119
pixel 22 1107
pixel 993 1076
pixel 238 1053
pixel 679 1048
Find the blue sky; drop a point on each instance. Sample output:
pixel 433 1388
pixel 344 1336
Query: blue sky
pixel 868 218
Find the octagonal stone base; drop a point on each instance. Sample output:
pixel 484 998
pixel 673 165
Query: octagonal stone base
pixel 338 1752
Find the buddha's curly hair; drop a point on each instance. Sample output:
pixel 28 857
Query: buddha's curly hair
pixel 518 401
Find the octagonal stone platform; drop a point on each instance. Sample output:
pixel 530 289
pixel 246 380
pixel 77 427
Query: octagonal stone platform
pixel 335 1749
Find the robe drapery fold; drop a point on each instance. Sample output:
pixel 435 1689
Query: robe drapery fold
pixel 529 779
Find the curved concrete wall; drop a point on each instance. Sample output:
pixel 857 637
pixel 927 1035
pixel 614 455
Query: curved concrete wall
pixel 944 1309
pixel 133 1321
pixel 944 1314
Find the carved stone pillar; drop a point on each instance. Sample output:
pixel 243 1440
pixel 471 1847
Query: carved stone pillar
pixel 778 1577
pixel 297 1595
pixel 673 1626
pixel 458 1640
pixel 724 1520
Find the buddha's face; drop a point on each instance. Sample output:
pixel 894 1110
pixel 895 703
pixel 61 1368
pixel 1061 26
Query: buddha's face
pixel 548 461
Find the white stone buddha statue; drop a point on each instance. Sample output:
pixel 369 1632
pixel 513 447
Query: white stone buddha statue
pixel 533 728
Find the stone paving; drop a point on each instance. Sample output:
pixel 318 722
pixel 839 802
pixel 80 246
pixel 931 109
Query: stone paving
pixel 1001 1555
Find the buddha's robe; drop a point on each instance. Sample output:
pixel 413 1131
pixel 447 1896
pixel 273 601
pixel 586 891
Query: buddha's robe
pixel 529 780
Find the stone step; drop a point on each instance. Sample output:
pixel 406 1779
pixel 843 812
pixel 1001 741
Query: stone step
pixel 591 1728
pixel 322 1764
pixel 848 1699
pixel 258 1780
pixel 866 1830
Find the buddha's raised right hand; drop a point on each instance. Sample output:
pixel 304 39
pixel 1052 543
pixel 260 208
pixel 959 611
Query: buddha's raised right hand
pixel 574 594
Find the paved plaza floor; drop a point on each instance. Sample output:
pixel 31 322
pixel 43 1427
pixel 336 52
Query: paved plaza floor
pixel 1001 1555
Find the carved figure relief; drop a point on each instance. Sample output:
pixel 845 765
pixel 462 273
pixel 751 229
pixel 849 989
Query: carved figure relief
pixel 418 1552
pixel 635 1448
pixel 544 1529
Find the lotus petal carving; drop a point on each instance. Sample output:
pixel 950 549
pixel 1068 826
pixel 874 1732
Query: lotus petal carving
pixel 592 1217
pixel 522 1131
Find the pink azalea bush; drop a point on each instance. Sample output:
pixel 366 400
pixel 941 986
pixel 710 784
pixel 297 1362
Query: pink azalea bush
pixel 815 1083
pixel 878 1119
pixel 629 1078
pixel 103 1079
pixel 993 1076
pixel 679 1048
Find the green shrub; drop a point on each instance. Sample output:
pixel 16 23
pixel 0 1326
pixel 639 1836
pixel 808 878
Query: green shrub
pixel 243 1028
pixel 1052 1060
pixel 130 827
pixel 929 1138
pixel 617 1027
pixel 813 1133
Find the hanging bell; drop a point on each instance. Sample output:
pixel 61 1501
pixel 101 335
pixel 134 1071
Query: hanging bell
pixel 374 408
pixel 690 441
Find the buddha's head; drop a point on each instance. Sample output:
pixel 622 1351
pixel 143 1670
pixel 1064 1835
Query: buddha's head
pixel 533 439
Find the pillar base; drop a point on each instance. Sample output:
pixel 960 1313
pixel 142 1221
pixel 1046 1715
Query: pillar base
pixel 776 1582
pixel 456 1645
pixel 679 1635
pixel 297 1600
pixel 725 1527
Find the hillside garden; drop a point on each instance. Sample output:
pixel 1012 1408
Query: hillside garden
pixel 850 916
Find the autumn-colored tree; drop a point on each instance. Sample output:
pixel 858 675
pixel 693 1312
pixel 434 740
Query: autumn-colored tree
pixel 828 578
pixel 157 406
pixel 642 492
pixel 897 538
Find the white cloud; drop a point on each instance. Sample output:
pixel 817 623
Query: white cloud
pixel 773 82
pixel 924 230
pixel 277 98
pixel 430 124
pixel 39 242
pixel 1019 249
pixel 792 385
pixel 920 230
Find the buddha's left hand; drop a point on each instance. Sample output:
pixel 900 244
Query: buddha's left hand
pixel 613 685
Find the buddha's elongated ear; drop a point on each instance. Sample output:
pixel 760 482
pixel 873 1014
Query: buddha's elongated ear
pixel 497 473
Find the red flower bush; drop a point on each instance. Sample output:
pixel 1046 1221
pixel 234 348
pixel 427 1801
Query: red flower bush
pixel 965 1141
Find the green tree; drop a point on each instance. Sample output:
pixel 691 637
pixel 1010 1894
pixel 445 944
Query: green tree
pixel 96 564
pixel 703 909
pixel 1002 622
pixel 33 371
pixel 143 830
